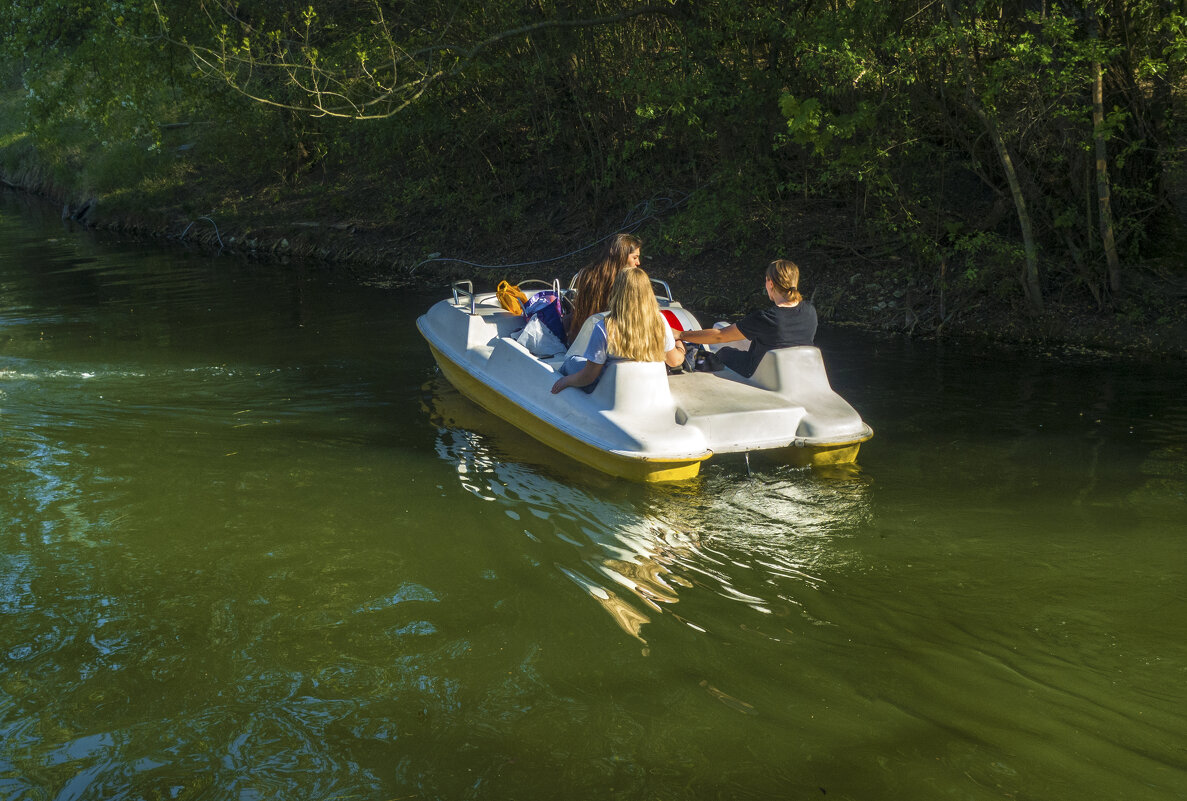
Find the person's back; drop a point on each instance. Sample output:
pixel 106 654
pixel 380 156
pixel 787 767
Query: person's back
pixel 775 327
pixel 632 330
pixel 790 322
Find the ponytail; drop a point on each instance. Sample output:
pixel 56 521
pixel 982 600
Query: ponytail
pixel 785 275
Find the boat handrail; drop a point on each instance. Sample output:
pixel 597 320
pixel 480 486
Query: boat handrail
pixel 554 284
pixel 664 284
pixel 456 286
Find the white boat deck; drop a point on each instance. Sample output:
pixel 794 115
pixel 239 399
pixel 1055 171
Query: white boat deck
pixel 734 416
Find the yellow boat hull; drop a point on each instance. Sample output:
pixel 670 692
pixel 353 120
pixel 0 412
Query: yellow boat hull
pixel 629 467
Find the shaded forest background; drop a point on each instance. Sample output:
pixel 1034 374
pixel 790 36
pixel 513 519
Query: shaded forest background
pixel 1011 169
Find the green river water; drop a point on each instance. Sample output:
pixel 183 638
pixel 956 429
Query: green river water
pixel 253 547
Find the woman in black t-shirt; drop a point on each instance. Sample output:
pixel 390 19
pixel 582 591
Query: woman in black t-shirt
pixel 791 321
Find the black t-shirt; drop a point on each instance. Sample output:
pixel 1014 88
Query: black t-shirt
pixel 777 327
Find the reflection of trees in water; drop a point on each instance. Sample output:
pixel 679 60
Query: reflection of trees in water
pixel 1165 488
pixel 758 541
pixel 1165 469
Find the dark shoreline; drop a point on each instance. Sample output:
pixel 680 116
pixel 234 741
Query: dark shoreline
pixel 849 291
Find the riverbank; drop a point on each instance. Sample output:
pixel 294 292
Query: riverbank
pixel 873 166
pixel 853 281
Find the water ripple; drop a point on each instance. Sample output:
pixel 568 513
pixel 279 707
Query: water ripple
pixel 639 551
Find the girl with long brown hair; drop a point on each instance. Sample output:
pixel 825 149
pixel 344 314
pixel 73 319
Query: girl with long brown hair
pixel 592 283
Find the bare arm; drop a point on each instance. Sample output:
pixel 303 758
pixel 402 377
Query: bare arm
pixel 582 378
pixel 675 357
pixel 711 336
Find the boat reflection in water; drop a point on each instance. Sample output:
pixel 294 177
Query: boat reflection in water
pixel 633 549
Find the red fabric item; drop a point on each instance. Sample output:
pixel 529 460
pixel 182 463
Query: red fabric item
pixel 673 323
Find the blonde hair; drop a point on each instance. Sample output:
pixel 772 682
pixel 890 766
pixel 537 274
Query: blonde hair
pixel 785 275
pixel 634 327
pixel 593 282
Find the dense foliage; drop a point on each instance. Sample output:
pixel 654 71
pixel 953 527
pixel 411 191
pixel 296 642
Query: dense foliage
pixel 960 134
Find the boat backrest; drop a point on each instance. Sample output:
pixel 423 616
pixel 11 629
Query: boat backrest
pixel 798 375
pixel 635 388
pixel 790 371
pixel 582 340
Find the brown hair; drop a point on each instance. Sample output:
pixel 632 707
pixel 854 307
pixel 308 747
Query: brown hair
pixel 785 275
pixel 593 283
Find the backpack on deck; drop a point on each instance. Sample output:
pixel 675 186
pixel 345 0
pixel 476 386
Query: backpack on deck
pixel 547 307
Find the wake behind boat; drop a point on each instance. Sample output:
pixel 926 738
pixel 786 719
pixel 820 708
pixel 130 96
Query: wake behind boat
pixel 639 422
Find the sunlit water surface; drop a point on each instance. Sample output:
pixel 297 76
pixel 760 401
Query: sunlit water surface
pixel 253 547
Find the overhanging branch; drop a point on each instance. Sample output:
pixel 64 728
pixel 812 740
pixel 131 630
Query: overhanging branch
pixel 357 91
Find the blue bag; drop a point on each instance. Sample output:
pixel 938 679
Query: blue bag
pixel 547 306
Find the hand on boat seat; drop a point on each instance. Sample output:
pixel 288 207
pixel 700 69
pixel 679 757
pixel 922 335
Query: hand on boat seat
pixel 588 374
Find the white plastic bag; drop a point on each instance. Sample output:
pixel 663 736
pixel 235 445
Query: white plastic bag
pixel 539 340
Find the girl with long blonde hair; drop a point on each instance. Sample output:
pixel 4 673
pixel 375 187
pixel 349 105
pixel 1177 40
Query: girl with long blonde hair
pixel 790 322
pixel 592 284
pixel 632 330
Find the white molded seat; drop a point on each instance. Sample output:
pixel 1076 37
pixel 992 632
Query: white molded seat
pixel 798 374
pixel 635 388
pixel 582 340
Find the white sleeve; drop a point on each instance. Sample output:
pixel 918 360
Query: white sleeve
pixel 595 351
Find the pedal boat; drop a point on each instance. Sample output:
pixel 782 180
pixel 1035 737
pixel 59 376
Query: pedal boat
pixel 641 423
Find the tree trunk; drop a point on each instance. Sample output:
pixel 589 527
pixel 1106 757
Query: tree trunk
pixel 1030 274
pixel 1102 163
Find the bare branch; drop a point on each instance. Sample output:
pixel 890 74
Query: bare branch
pixel 359 92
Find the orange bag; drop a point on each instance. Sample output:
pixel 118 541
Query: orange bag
pixel 511 297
